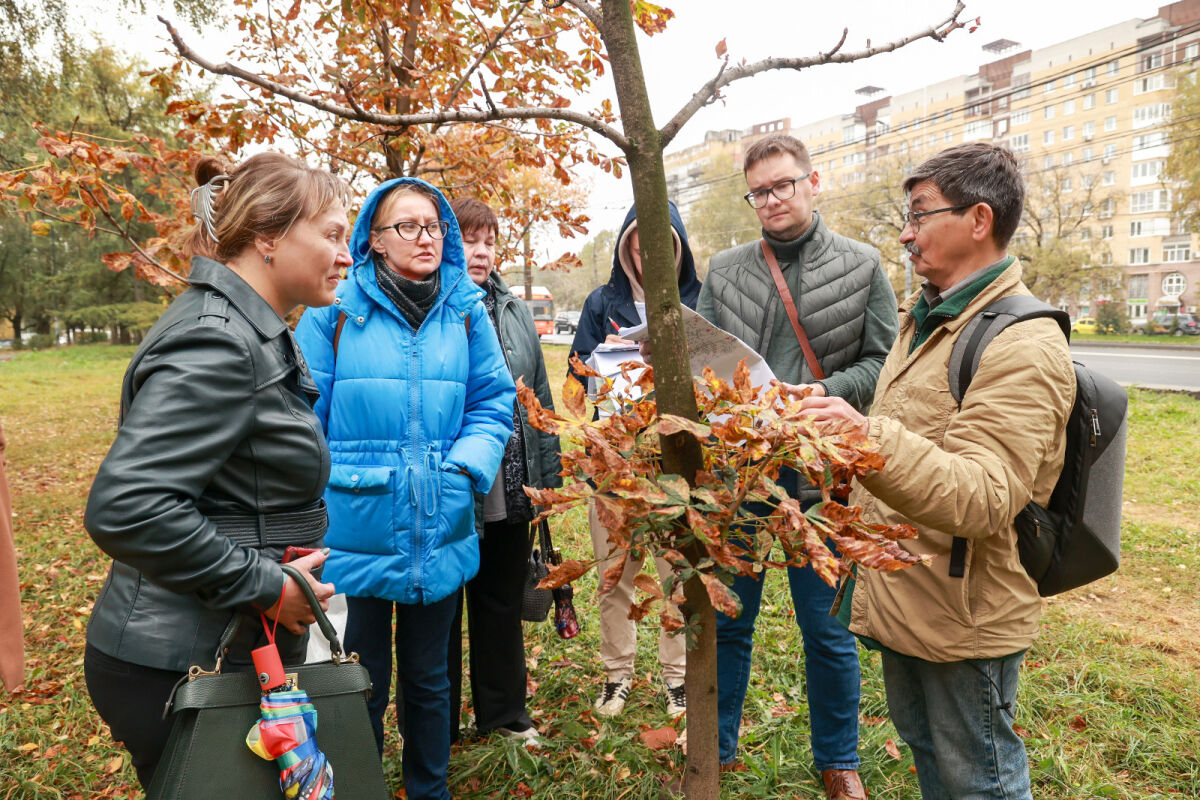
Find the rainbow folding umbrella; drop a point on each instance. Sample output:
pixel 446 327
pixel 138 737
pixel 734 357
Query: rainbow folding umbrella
pixel 287 734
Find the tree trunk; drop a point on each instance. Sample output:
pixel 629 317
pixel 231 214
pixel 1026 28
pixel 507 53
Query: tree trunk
pixel 672 367
pixel 16 320
pixel 528 269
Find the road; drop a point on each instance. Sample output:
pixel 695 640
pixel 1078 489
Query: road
pixel 1166 367
pixel 1160 367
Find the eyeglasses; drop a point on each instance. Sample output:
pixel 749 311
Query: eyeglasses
pixel 913 218
pixel 411 231
pixel 784 190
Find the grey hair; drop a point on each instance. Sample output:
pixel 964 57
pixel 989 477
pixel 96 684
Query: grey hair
pixel 202 203
pixel 978 172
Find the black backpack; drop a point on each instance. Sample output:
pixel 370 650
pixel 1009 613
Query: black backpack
pixel 1076 539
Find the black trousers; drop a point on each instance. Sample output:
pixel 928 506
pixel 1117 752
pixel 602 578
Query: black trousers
pixel 130 699
pixel 497 644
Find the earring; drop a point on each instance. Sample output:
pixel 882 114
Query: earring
pixel 267 259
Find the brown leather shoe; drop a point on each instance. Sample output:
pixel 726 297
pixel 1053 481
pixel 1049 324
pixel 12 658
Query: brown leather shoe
pixel 843 784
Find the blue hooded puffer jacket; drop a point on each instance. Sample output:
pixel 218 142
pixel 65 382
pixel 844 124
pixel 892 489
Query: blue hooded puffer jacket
pixel 405 413
pixel 611 305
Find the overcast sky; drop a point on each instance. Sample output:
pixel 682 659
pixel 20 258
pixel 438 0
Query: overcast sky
pixel 680 60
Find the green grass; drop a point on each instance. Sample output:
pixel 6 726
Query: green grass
pixel 1109 695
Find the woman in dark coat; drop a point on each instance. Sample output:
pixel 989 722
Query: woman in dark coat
pixel 493 597
pixel 219 462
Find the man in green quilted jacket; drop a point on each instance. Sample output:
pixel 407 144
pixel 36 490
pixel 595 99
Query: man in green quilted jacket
pixel 846 308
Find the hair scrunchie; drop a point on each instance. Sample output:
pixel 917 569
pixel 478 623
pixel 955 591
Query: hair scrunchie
pixel 202 203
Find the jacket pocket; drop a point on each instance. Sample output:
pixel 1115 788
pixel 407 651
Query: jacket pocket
pixel 456 506
pixel 361 504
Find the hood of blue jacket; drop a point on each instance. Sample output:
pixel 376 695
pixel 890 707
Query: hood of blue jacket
pixel 454 260
pixel 689 284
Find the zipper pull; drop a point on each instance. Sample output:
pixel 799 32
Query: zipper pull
pixel 1095 427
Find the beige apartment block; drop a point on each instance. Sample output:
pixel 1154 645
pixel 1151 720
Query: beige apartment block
pixel 1087 117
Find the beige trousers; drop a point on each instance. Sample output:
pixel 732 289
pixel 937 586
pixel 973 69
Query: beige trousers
pixel 12 645
pixel 618 633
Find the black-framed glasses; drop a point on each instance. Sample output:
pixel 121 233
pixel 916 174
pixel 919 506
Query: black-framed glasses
pixel 913 218
pixel 411 231
pixel 784 190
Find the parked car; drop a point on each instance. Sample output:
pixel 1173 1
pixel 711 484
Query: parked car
pixel 566 322
pixel 1174 324
pixel 1085 325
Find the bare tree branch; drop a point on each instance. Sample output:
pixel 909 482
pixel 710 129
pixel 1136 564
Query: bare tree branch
pixel 395 120
pixel 488 50
pixel 588 10
pixel 724 77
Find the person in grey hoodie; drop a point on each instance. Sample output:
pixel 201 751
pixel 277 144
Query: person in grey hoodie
pixel 606 309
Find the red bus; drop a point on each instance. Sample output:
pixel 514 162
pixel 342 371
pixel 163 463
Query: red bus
pixel 541 306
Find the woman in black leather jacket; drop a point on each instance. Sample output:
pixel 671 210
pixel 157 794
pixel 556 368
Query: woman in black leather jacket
pixel 219 462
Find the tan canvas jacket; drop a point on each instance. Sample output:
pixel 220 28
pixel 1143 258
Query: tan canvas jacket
pixel 963 472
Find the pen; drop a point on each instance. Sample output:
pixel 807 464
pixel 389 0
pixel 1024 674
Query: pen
pixel 616 327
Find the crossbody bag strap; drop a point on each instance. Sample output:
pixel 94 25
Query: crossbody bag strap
pixel 789 305
pixel 337 333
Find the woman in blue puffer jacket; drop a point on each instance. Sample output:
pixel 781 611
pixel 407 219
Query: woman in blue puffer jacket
pixel 416 400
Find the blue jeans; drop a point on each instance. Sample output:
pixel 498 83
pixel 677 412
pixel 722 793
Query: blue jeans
pixel 422 636
pixel 830 666
pixel 957 719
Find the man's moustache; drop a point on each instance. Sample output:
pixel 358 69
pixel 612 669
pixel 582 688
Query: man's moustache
pixel 913 249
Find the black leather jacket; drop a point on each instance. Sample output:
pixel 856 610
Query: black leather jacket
pixel 218 464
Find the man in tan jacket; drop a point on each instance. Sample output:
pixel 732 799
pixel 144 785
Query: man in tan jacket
pixel 952 646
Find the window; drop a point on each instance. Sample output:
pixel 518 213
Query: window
pixel 1067 159
pixel 1048 162
pixel 1150 61
pixel 1087 181
pixel 1020 117
pixel 1173 253
pixel 1106 231
pixel 1110 124
pixel 948 137
pixel 1047 137
pixel 1106 258
pixel 1110 152
pixel 1069 81
pixel 1146 172
pixel 1113 67
pixel 1089 101
pixel 1048 112
pixel 1153 200
pixel 1089 129
pixel 1174 284
pixel 1109 178
pixel 1139 255
pixel 1155 114
pixel 1138 287
pixel 1107 208
pixel 1068 107
pixel 1152 83
pixel 1085 234
pixel 1066 184
pixel 1147 140
pixel 1191 51
pixel 1089 154
pixel 1019 144
pixel 1068 133
pixel 1089 76
pixel 1049 87
pixel 1136 310
pixel 977 129
pixel 1111 96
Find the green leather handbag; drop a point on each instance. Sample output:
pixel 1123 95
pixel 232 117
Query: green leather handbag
pixel 206 755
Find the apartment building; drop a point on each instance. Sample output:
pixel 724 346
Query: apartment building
pixel 1087 118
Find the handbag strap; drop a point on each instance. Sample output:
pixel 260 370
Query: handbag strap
pixel 789 305
pixel 547 546
pixel 327 629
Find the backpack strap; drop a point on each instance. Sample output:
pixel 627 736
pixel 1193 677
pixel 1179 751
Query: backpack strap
pixel 968 350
